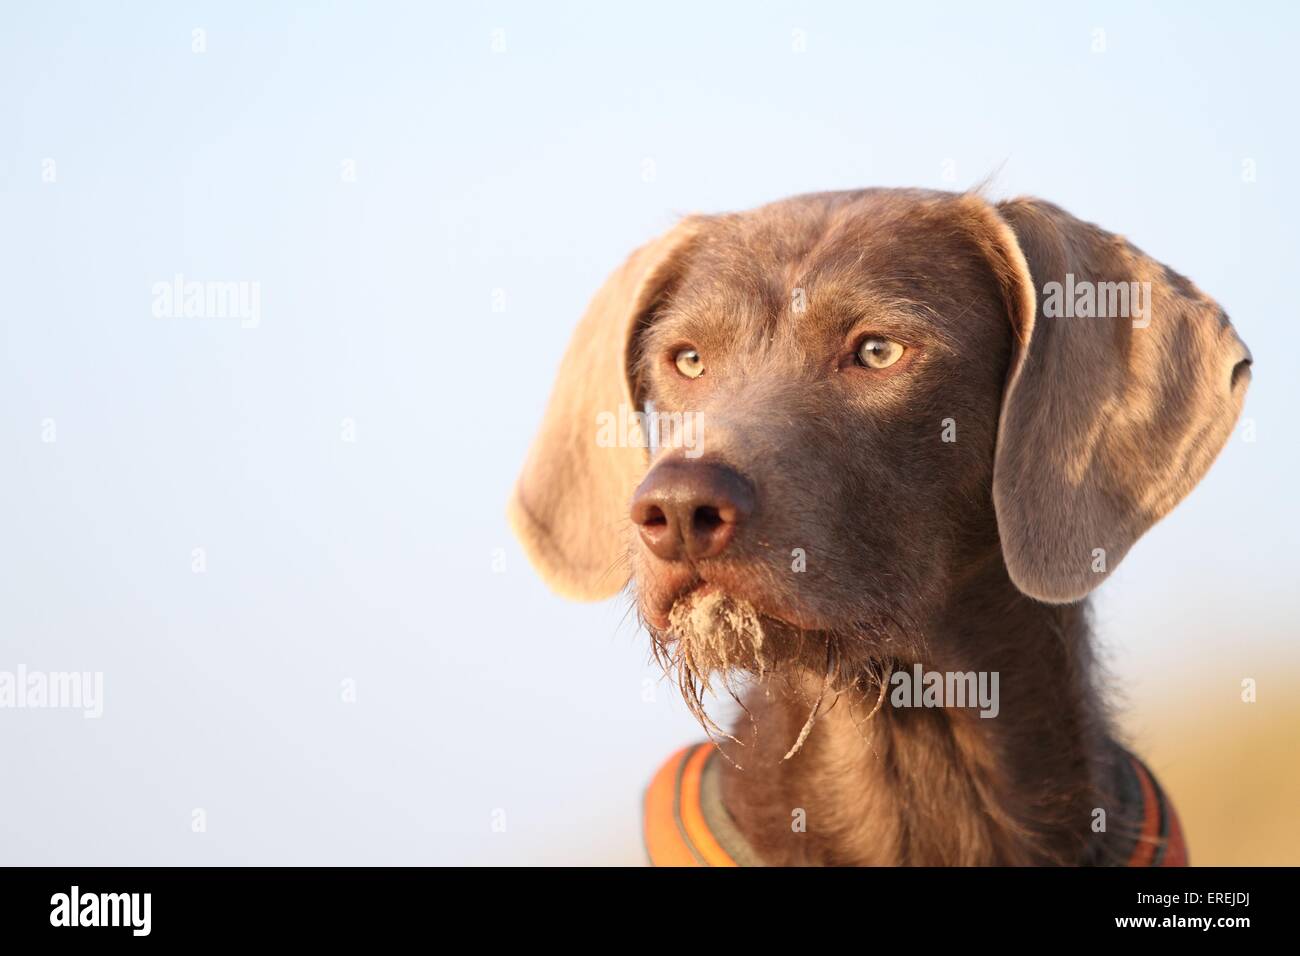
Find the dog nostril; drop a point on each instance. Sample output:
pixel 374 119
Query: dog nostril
pixel 654 517
pixel 706 519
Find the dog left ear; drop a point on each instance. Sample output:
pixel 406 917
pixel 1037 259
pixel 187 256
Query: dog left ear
pixel 570 505
pixel 1125 383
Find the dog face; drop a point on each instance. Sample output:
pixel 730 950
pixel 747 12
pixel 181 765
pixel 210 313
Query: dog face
pixel 843 369
pixel 882 388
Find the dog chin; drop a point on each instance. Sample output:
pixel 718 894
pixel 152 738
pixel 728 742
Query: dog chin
pixel 712 632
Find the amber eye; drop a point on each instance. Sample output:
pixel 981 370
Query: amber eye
pixel 689 363
pixel 879 353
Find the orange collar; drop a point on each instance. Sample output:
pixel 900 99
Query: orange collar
pixel 676 831
pixel 1160 842
pixel 687 825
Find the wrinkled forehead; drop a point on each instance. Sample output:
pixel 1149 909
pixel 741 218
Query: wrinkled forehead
pixel 818 266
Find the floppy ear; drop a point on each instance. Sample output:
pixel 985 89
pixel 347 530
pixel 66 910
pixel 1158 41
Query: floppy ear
pixel 569 508
pixel 1107 422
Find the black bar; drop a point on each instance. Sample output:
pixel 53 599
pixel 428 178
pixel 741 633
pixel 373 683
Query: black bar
pixel 365 905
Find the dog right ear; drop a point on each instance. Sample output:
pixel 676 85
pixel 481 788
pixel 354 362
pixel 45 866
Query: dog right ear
pixel 569 507
pixel 1109 418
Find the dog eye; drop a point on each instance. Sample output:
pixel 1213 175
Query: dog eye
pixel 879 353
pixel 689 363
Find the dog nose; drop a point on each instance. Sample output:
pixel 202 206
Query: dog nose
pixel 691 509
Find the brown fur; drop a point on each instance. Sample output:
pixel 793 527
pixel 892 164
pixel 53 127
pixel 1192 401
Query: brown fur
pixel 1072 435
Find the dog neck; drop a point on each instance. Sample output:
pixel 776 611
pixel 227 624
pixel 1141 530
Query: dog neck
pixel 933 785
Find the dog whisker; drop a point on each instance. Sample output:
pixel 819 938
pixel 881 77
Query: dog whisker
pixel 812 716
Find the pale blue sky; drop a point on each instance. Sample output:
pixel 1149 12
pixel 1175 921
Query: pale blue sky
pixel 524 171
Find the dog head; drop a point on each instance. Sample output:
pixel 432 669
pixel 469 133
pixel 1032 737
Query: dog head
pixel 809 419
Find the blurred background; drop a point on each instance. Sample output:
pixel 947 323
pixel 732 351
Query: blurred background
pixel 283 542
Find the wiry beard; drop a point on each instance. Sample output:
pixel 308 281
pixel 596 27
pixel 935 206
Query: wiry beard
pixel 713 638
pixel 718 634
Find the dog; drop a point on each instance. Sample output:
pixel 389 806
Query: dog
pixel 875 458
